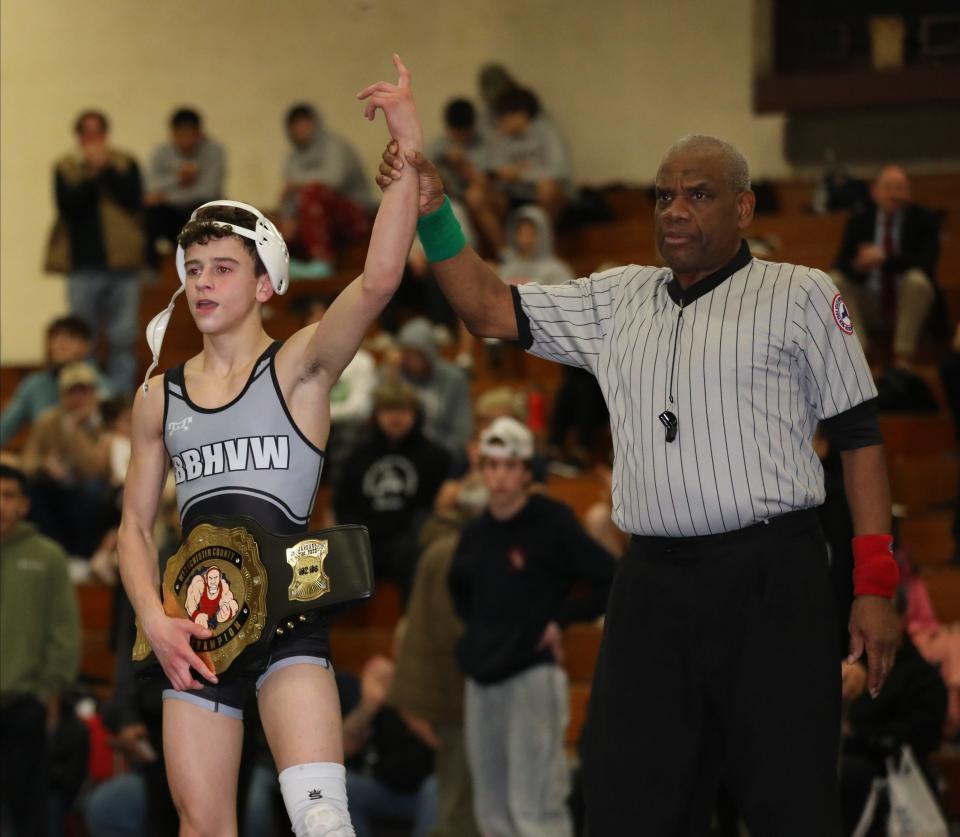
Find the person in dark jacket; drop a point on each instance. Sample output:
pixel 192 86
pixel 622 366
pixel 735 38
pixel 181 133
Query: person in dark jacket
pixel 886 265
pixel 909 710
pixel 511 582
pixel 389 483
pixel 98 241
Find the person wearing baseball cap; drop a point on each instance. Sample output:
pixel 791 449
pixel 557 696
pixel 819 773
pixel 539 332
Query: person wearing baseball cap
pixel 511 579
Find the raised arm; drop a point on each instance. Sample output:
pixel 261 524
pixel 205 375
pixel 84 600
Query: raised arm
pixel 321 352
pixel 475 292
pixel 139 569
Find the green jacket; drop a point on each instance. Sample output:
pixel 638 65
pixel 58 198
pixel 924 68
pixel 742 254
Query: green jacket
pixel 40 633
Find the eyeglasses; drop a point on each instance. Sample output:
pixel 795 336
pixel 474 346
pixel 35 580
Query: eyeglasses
pixel 669 422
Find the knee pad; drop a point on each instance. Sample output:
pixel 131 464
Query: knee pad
pixel 324 820
pixel 315 797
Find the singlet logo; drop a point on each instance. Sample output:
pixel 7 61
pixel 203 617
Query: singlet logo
pixel 257 452
pixel 183 424
pixel 841 316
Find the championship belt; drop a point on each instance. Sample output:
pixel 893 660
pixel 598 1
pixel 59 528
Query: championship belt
pixel 249 585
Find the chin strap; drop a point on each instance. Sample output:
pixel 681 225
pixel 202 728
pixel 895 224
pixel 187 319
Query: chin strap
pixel 156 329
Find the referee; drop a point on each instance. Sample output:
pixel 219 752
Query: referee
pixel 720 657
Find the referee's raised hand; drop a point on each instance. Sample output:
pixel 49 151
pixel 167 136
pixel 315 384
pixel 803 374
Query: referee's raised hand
pixel 874 629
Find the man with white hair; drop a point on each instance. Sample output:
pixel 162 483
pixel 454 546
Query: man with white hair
pixel 720 655
pixel 885 267
pixel 511 581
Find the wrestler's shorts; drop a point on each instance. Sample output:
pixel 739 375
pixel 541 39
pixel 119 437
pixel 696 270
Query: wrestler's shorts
pixel 309 643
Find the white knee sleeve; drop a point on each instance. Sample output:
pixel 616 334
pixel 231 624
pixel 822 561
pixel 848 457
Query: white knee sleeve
pixel 315 796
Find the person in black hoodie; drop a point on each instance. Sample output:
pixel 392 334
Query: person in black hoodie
pixel 390 482
pixel 511 580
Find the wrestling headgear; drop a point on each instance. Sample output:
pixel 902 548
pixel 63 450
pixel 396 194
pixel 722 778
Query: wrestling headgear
pixel 271 248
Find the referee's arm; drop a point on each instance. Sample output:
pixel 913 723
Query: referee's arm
pixel 477 294
pixel 471 287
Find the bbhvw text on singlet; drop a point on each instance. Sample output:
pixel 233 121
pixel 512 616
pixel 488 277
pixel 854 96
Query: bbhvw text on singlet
pixel 260 452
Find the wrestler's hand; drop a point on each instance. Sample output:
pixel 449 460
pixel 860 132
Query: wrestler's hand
pixel 431 186
pixel 553 639
pixel 202 620
pixel 396 102
pixel 170 640
pixel 874 628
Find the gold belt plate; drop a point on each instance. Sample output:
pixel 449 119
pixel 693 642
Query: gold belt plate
pixel 309 581
pixel 217 579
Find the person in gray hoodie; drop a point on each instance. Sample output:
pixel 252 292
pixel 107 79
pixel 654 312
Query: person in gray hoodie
pixel 327 200
pixel 184 173
pixel 529 256
pixel 442 386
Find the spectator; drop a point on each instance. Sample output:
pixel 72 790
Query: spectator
pixel 909 710
pixel 98 242
pixel 40 641
pixel 527 163
pixel 530 256
pixel 443 388
pixel 461 152
pixel 351 399
pixel 395 780
pixel 185 173
pixel 511 580
pixel 493 81
pixel 885 267
pixel 67 457
pixel 326 197
pixel 68 340
pixel 390 482
pixel 466 486
pixel 427 686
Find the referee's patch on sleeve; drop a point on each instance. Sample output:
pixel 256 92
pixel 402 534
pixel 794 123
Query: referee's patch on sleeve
pixel 841 316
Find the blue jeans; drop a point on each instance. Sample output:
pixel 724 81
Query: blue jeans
pixel 118 807
pixel 370 800
pixel 109 302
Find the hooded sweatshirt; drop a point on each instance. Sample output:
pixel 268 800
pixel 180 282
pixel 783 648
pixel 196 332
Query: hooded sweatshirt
pixel 444 393
pixel 40 634
pixel 542 265
pixel 331 160
pixel 387 485
pixel 510 578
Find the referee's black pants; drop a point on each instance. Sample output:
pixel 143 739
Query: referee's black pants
pixel 720 658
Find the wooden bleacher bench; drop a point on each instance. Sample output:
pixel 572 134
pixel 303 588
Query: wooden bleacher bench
pixel 943 585
pixel 922 482
pixel 929 537
pixel 97 660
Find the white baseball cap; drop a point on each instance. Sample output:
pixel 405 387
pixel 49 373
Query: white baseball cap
pixel 507 437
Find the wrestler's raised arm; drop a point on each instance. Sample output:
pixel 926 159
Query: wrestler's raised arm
pixel 139 567
pixel 320 352
pixel 475 292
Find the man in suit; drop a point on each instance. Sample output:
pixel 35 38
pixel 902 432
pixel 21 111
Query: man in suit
pixel 885 267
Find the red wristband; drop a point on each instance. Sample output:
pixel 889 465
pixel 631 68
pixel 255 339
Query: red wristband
pixel 875 573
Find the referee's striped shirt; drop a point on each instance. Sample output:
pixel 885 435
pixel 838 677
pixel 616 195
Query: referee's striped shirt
pixel 754 356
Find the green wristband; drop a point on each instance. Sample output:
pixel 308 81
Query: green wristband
pixel 440 233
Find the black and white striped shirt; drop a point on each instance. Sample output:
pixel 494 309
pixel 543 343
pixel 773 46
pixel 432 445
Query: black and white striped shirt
pixel 754 355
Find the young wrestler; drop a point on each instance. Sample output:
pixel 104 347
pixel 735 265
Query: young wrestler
pixel 244 424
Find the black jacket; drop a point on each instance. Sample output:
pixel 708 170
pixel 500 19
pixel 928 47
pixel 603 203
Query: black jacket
pixel 510 578
pixel 389 486
pixel 919 242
